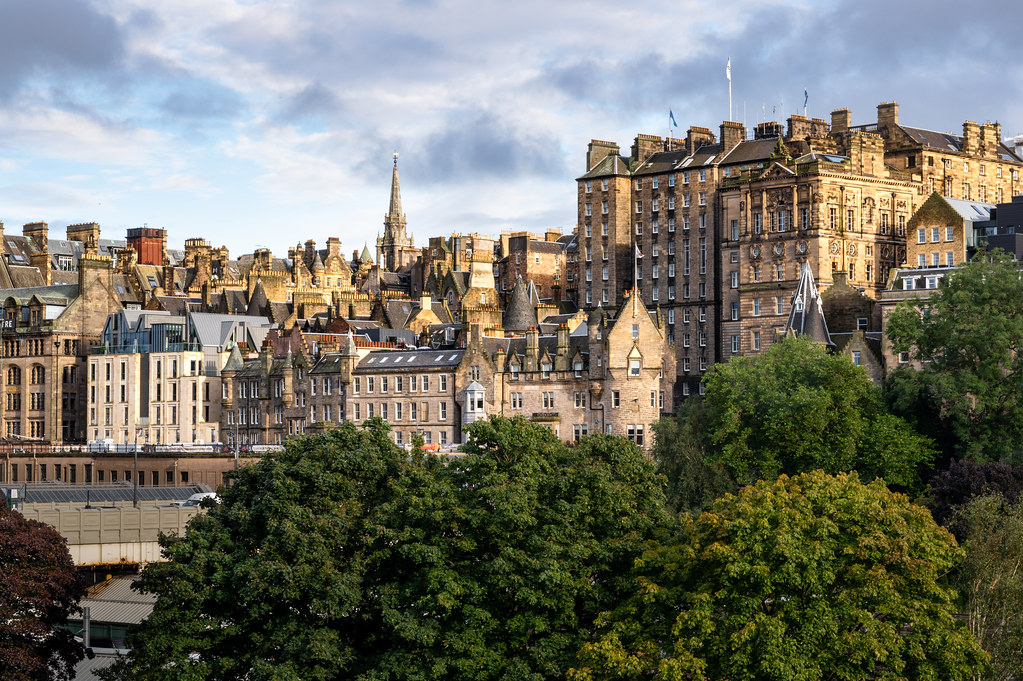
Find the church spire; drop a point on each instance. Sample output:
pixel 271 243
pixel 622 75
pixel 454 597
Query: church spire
pixel 394 210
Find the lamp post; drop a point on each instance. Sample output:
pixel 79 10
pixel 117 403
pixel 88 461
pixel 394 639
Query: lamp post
pixel 142 422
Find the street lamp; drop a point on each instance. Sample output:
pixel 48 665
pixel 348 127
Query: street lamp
pixel 142 422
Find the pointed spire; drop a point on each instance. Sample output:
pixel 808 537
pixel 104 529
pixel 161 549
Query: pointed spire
pixel 394 209
pixel 520 314
pixel 806 318
pixel 317 263
pixel 366 256
pixel 234 360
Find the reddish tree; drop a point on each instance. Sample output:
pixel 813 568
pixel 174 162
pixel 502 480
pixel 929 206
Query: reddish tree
pixel 39 589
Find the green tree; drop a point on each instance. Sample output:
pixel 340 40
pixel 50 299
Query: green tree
pixel 39 590
pixel 346 557
pixel 797 408
pixel 802 578
pixel 990 581
pixel 967 337
pixel 681 449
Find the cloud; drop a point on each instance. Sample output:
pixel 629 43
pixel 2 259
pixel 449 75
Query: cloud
pixel 480 144
pixel 54 38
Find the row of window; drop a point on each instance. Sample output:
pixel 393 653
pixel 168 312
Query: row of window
pixel 921 234
pixel 415 383
pixel 414 411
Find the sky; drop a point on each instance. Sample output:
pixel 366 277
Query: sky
pixel 264 123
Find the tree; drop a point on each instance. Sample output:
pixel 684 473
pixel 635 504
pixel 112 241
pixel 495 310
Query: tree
pixel 39 589
pixel 797 408
pixel 955 486
pixel 802 578
pixel 345 557
pixel 967 338
pixel 991 581
pixel 681 451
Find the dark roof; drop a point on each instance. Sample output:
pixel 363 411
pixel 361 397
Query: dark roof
pixel 409 360
pixel 520 314
pixel 806 317
pixel 660 162
pixel 612 164
pixel 546 246
pixel 750 151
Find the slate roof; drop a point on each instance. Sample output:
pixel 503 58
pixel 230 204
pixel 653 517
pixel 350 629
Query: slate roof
pixel 750 151
pixel 806 316
pixel 613 164
pixel 660 162
pixel 409 360
pixel 520 314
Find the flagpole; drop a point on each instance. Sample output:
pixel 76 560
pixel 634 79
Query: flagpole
pixel 728 73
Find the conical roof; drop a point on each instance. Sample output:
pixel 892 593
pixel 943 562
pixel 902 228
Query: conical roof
pixel 234 360
pixel 806 318
pixel 520 314
pixel 317 263
pixel 366 256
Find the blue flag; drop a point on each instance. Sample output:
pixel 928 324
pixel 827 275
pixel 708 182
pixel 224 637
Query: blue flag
pixel 806 97
pixel 671 116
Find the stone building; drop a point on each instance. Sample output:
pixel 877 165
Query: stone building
pixel 541 259
pixel 943 232
pixel 156 377
pixel 49 332
pixel 714 229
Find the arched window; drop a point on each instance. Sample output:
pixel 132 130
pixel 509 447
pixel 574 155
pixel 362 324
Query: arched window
pixel 38 375
pixel 14 376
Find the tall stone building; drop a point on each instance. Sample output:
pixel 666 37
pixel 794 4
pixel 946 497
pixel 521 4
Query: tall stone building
pixel 395 250
pixel 714 229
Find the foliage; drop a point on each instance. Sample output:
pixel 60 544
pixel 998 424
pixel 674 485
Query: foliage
pixel 681 450
pixel 801 578
pixel 991 581
pixel 968 340
pixel 346 557
pixel 797 408
pixel 953 487
pixel 39 589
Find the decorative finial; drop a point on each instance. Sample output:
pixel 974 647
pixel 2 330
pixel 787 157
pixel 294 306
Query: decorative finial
pixel 395 158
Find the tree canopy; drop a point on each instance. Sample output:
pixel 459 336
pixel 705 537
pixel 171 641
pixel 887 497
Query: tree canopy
pixel 797 408
pixel 681 450
pixel 801 578
pixel 39 589
pixel 967 338
pixel 991 583
pixel 954 487
pixel 345 557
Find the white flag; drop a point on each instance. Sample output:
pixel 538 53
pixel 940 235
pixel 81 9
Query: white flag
pixel 728 69
pixel 639 253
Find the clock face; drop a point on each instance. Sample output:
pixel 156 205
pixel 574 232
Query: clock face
pixel 756 251
pixel 834 247
pixel 802 247
pixel 778 249
pixel 852 249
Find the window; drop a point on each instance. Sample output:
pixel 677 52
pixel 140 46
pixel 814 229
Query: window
pixel 756 307
pixel 861 323
pixel 735 230
pixel 735 311
pixel 758 223
pixel 949 233
pixel 634 367
pixel 735 279
pixel 949 259
pixel 935 234
pixel 779 302
pixel 615 399
pixel 735 344
pixel 755 341
pixel 635 330
pixel 856 358
pixel 921 236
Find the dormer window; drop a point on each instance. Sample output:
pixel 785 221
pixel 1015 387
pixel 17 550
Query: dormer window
pixel 545 369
